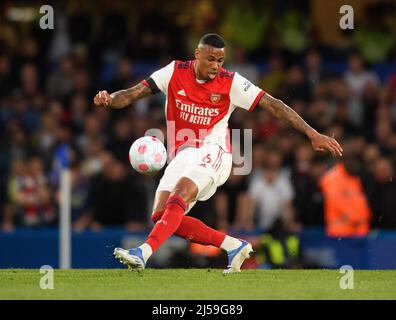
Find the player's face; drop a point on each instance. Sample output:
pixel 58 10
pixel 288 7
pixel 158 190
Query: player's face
pixel 209 61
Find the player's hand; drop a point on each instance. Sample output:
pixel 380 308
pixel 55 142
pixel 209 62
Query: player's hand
pixel 103 99
pixel 322 143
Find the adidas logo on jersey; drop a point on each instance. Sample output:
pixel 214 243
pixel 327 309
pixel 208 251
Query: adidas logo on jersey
pixel 182 92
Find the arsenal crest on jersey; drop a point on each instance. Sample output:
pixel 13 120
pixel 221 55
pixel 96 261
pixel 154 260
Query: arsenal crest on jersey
pixel 215 97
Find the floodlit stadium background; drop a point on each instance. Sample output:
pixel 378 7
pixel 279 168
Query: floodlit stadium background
pixel 343 82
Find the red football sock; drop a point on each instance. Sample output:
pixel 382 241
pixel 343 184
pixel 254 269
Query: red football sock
pixel 174 212
pixel 195 231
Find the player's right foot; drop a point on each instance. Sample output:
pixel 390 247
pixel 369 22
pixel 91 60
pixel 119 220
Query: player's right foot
pixel 133 258
pixel 237 256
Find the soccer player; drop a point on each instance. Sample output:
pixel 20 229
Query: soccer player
pixel 200 97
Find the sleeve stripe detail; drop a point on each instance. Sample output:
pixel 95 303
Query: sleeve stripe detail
pixel 153 86
pixel 262 92
pixel 145 83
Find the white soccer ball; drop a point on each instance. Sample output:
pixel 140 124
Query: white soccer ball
pixel 147 155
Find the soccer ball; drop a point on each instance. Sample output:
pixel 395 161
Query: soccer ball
pixel 147 155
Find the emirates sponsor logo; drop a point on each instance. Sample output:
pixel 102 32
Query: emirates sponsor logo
pixel 196 114
pixel 194 109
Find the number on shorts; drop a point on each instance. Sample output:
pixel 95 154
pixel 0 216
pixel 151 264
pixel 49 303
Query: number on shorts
pixel 205 160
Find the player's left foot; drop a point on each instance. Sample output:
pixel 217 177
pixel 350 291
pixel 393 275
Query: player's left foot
pixel 237 256
pixel 133 258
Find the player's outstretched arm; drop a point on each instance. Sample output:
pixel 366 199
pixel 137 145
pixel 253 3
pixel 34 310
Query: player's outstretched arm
pixel 122 98
pixel 280 110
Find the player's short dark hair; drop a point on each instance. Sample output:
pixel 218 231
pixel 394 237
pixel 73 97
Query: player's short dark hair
pixel 212 39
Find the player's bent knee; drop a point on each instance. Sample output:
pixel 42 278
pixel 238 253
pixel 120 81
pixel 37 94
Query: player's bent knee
pixel 186 189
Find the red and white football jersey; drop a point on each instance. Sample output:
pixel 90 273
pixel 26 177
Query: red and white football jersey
pixel 196 111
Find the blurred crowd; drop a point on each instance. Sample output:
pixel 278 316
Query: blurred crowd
pixel 48 80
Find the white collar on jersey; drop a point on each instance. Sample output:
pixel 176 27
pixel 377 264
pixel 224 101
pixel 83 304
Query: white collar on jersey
pixel 200 81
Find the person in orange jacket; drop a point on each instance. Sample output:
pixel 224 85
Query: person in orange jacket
pixel 346 209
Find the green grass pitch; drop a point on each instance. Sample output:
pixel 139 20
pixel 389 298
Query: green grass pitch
pixel 200 284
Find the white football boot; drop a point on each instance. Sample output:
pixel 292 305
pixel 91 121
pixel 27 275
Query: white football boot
pixel 133 258
pixel 237 256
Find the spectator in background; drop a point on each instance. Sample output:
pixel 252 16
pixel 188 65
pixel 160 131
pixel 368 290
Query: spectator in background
pixel 19 109
pixel 60 83
pixel 293 27
pixel 29 81
pixel 370 155
pixel 242 19
pixel 341 119
pixel 230 201
pixel 300 174
pixel 6 210
pixel 80 207
pixel 384 129
pixel 308 200
pixel 265 126
pixel 286 142
pixel 117 197
pixel 30 194
pixel 14 184
pixel 29 53
pixel 93 130
pixel 91 163
pixel 271 194
pixel 149 42
pixel 337 90
pixel 381 191
pixel 6 78
pixel 391 91
pixel 124 77
pixel 275 77
pixel 121 140
pixel 375 38
pixel 46 137
pixel 320 113
pixel 57 110
pixel 297 86
pixel 313 68
pixel 241 65
pixel 384 135
pixel 347 212
pixel 17 145
pixel 78 113
pixel 82 83
pixel 359 80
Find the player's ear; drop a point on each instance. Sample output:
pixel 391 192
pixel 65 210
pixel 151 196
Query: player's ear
pixel 197 53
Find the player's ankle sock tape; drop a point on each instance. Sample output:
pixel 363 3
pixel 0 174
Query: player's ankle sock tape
pixel 176 200
pixel 156 216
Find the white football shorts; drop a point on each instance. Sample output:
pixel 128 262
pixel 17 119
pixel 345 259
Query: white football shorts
pixel 208 167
